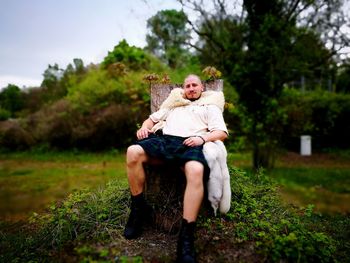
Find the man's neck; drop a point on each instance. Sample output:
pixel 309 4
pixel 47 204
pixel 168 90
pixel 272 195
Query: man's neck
pixel 193 99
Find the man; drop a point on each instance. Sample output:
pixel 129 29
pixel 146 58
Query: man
pixel 186 129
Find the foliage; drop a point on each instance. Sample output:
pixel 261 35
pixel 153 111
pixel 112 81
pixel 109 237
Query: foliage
pixel 278 232
pixel 83 215
pixel 4 114
pixel 11 100
pixel 321 114
pixel 133 57
pixel 192 66
pixel 343 78
pixel 95 89
pixel 14 136
pixel 167 36
pixel 51 76
pixel 211 73
pixel 61 126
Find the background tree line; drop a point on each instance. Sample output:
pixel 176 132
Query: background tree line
pixel 272 55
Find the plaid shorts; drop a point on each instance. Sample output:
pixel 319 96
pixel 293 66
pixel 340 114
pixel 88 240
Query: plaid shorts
pixel 171 149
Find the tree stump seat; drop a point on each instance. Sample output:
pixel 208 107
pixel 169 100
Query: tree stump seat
pixel 165 183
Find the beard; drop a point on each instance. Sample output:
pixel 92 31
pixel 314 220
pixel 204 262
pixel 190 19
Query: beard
pixel 192 98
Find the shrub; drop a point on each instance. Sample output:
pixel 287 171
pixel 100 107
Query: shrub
pixel 98 89
pixel 279 232
pixel 14 137
pixel 4 114
pixel 321 114
pixel 82 216
pixel 11 98
pixel 110 127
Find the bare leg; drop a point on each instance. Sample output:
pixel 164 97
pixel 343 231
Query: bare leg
pixel 135 157
pixel 194 191
pixel 193 197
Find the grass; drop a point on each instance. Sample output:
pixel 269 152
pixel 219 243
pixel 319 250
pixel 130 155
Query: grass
pixel 29 181
pixel 321 179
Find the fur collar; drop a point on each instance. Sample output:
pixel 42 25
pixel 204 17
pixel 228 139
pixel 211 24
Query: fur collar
pixel 176 99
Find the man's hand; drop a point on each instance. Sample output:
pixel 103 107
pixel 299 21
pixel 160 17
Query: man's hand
pixel 194 141
pixel 143 133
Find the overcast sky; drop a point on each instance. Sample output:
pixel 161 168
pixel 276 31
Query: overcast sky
pixel 36 33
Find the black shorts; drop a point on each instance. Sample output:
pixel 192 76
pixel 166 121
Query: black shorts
pixel 171 149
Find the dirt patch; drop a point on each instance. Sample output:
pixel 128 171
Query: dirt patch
pixel 154 246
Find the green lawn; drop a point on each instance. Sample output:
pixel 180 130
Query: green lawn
pixel 29 182
pixel 327 189
pixel 320 179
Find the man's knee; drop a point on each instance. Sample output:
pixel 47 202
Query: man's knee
pixel 194 171
pixel 134 154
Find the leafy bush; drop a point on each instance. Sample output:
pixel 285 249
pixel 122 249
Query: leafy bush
pixel 60 126
pixel 110 127
pixel 278 232
pixel 98 89
pixel 321 114
pixel 83 215
pixel 4 114
pixel 11 98
pixel 14 137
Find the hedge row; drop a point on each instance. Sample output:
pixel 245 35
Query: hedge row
pixel 323 115
pixel 60 126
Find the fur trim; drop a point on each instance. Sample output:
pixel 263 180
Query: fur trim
pixel 210 97
pixel 219 188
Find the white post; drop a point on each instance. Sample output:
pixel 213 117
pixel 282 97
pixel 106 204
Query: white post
pixel 305 145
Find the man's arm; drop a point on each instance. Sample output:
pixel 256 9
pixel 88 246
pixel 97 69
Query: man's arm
pixel 145 129
pixel 210 137
pixel 215 135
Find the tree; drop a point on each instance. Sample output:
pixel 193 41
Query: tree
pixel 133 57
pixel 168 35
pixel 343 79
pixel 51 76
pixel 257 46
pixel 11 99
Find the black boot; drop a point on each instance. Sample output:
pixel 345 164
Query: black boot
pixel 140 211
pixel 185 245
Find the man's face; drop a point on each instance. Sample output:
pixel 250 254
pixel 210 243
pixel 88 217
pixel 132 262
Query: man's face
pixel 193 88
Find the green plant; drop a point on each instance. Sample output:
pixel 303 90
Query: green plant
pixel 4 114
pixel 133 57
pixel 278 232
pixel 84 215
